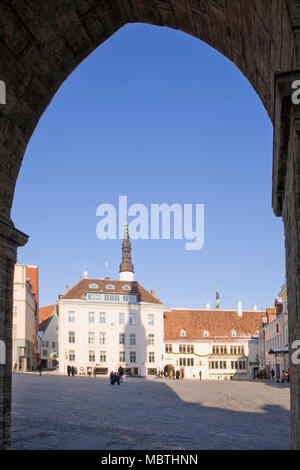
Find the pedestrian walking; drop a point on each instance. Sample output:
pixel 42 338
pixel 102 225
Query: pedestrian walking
pixel 282 377
pixel 40 368
pixel 89 371
pixel 272 374
pixel 94 372
pixel 73 371
pixel 288 375
pixel 278 376
pixel 69 370
pixel 121 373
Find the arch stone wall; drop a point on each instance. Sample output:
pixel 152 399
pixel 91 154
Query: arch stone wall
pixel 41 43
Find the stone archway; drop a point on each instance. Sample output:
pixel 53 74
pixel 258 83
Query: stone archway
pixel 41 43
pixel 169 370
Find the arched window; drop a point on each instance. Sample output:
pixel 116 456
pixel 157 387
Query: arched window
pixel 205 333
pixel 126 287
pixel 182 333
pixel 110 287
pixel 93 286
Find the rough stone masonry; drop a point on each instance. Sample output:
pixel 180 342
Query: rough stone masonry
pixel 41 43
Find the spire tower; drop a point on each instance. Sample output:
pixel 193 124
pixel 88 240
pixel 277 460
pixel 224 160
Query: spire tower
pixel 126 267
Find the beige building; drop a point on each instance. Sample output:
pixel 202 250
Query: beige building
pixel 211 344
pixel 25 318
pixel 48 328
pixel 104 324
pixel 273 337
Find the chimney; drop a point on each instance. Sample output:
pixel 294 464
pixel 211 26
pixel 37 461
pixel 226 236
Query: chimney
pixel 85 275
pixel 207 306
pixel 153 293
pixel 67 288
pixel 255 308
pixel 239 308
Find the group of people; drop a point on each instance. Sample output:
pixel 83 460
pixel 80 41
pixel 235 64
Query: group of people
pixel 71 371
pixel 284 376
pixel 117 377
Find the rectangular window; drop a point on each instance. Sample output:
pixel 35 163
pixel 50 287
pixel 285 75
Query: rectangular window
pixel 132 339
pixel 102 338
pixel 92 356
pixel 71 355
pixel 132 319
pixel 45 352
pixel 132 356
pixel 151 339
pixel 14 331
pixel 53 344
pixel 102 318
pixel 91 317
pixel 102 356
pixel 121 318
pixel 168 348
pixel 151 357
pixel 233 350
pixel 15 311
pixel 71 336
pixel 16 294
pixel 150 319
pixel 91 337
pixel 121 338
pixel 241 350
pixel 122 356
pixel 71 317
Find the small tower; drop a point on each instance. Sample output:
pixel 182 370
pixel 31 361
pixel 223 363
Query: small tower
pixel 217 296
pixel 126 267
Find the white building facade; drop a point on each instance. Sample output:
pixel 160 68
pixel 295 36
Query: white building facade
pixel 104 324
pixel 211 344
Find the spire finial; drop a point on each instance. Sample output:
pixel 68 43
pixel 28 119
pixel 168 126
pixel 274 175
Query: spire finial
pixel 217 295
pixel 126 228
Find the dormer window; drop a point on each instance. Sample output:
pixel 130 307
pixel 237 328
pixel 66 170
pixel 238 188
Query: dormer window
pixel 233 333
pixel 126 287
pixel 93 286
pixel 205 333
pixel 110 287
pixel 182 333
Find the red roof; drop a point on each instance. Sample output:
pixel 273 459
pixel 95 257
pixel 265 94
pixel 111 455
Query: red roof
pixel 45 312
pixel 82 287
pixel 218 323
pixel 32 274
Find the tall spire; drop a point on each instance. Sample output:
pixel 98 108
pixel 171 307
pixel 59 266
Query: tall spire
pixel 217 295
pixel 126 267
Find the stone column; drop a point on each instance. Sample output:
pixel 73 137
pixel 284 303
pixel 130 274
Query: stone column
pixel 286 203
pixel 10 239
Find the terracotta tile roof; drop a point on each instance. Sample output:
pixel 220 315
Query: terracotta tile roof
pixel 32 273
pixel 45 312
pixel 43 324
pixel 218 323
pixel 79 290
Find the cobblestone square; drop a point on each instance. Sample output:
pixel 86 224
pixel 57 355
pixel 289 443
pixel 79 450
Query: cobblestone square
pixel 59 412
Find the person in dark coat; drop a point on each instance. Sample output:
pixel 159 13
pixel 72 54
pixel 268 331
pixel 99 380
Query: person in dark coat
pixel 121 373
pixel 272 374
pixel 73 371
pixel 69 370
pixel 112 378
pixel 40 367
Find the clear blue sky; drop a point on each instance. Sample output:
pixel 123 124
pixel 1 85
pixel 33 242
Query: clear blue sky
pixel 159 116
